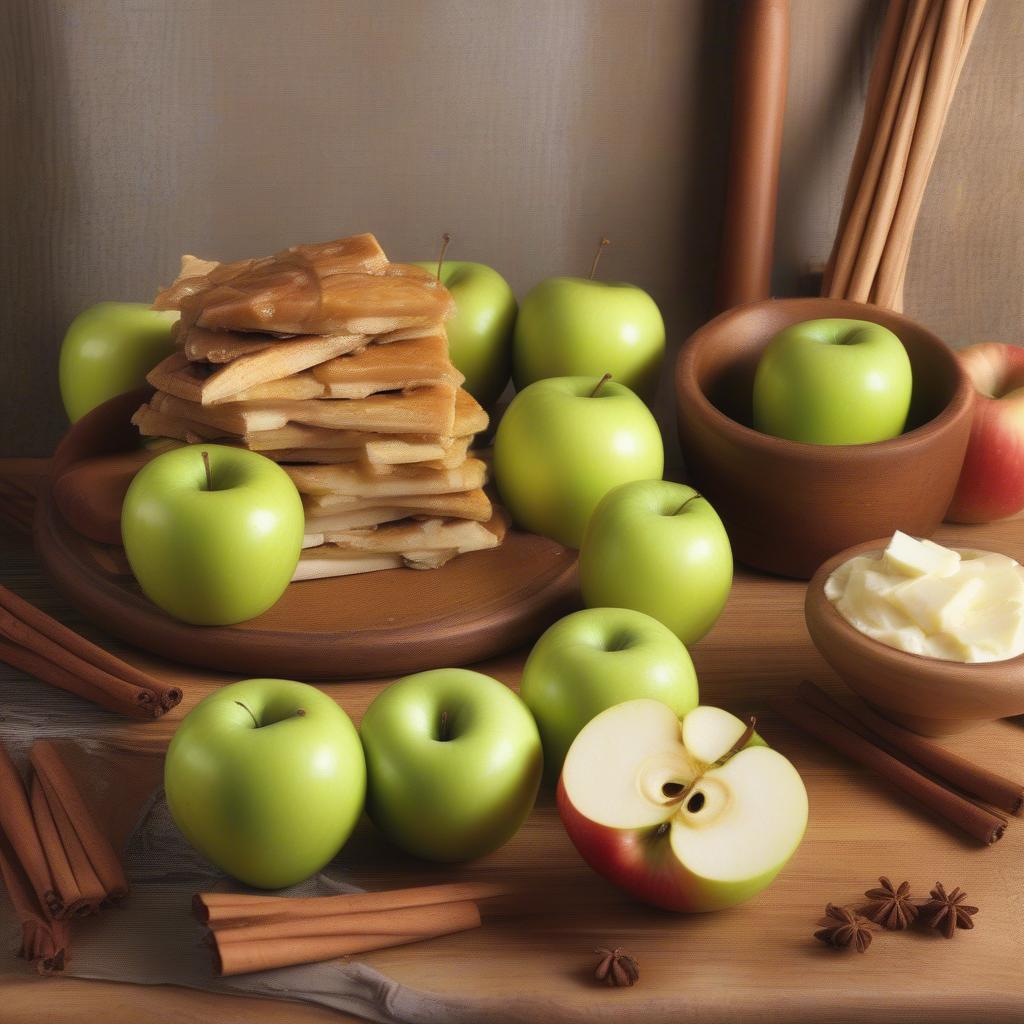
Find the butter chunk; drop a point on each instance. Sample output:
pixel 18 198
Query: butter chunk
pixel 906 638
pixel 911 557
pixel 938 604
pixel 989 632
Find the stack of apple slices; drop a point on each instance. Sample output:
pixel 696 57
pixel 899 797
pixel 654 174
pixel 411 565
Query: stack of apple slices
pixel 333 362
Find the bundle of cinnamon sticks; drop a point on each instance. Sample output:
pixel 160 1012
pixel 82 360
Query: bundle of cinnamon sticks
pixel 921 52
pixel 962 794
pixel 256 933
pixel 32 641
pixel 56 862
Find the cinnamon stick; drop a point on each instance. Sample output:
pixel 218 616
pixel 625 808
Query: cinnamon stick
pixel 982 825
pixel 978 782
pixel 89 851
pixel 76 903
pixel 44 941
pixel 219 909
pixel 848 242
pixel 878 85
pixel 61 657
pixel 243 949
pixel 17 825
pixel 958 22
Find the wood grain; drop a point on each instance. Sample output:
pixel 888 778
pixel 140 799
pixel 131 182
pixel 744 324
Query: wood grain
pixel 756 963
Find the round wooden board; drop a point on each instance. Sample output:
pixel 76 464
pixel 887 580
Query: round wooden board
pixel 352 627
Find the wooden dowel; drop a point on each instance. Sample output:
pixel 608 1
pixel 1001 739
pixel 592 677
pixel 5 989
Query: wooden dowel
pixel 758 108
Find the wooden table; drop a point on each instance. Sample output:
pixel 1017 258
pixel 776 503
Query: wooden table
pixel 757 962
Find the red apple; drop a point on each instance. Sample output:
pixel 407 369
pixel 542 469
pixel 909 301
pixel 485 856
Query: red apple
pixel 692 815
pixel 991 482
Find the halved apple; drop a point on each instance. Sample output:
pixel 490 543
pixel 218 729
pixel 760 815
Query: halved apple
pixel 690 815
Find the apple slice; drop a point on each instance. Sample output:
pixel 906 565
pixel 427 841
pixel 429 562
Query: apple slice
pixel 692 816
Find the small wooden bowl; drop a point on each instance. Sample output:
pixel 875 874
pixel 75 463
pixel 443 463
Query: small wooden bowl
pixel 929 695
pixel 788 506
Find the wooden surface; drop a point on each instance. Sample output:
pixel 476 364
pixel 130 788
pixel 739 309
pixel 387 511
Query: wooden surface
pixel 754 963
pixel 527 130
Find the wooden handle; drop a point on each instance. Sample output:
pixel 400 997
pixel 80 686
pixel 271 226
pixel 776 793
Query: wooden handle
pixel 758 108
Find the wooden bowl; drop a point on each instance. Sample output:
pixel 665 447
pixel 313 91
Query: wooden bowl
pixel 929 695
pixel 787 505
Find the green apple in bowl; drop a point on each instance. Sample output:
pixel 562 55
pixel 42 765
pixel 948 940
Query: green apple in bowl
pixel 212 533
pixel 564 443
pixel 480 332
pixel 453 763
pixel 693 815
pixel 833 382
pixel 108 349
pixel 660 548
pixel 591 660
pixel 579 327
pixel 266 778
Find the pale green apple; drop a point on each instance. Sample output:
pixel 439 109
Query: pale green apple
pixel 453 763
pixel 692 816
pixel 562 446
pixel 266 778
pixel 833 382
pixel 108 349
pixel 594 659
pixel 480 332
pixel 212 555
pixel 658 547
pixel 576 327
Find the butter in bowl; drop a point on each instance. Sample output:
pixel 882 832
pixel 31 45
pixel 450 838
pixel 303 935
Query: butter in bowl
pixel 923 598
pixel 933 637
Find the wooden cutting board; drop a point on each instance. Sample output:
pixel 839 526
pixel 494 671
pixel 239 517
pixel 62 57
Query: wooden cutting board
pixel 393 622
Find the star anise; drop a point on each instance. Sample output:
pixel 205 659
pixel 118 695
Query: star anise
pixel 845 928
pixel 947 911
pixel 890 905
pixel 616 967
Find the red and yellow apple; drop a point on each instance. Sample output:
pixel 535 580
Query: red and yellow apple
pixel 991 482
pixel 691 815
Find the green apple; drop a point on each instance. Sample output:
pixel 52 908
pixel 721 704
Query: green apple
pixel 266 778
pixel 453 762
pixel 480 332
pixel 692 816
pixel 108 349
pixel 833 382
pixel 576 327
pixel 594 659
pixel 658 547
pixel 563 444
pixel 216 546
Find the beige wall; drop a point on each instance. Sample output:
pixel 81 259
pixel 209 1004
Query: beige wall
pixel 134 130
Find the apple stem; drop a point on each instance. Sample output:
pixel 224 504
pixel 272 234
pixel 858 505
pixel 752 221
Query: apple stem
pixel 209 472
pixel 601 246
pixel 734 749
pixel 740 743
pixel 444 733
pixel 600 383
pixel 445 239
pixel 255 720
pixel 692 497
